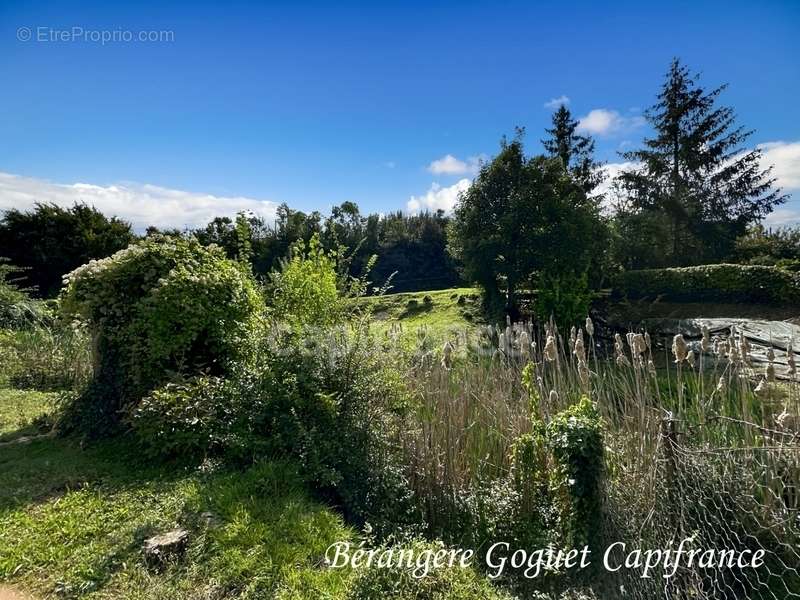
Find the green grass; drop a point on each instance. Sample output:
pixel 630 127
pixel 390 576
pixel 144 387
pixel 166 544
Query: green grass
pixel 446 311
pixel 18 410
pixel 72 523
pixel 73 520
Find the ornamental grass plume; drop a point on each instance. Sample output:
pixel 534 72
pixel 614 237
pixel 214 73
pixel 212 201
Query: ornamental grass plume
pixel 524 341
pixel 583 374
pixel 589 326
pixel 679 348
pixel 761 388
pixel 619 350
pixel 790 361
pixel 744 347
pixel 770 372
pixel 550 349
pixel 705 342
pixel 638 344
pixel 447 356
pixel 580 350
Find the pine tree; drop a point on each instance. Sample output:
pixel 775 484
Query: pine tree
pixel 575 151
pixel 694 176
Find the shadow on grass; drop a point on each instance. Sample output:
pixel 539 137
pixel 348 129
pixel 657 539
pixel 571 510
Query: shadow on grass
pixel 73 521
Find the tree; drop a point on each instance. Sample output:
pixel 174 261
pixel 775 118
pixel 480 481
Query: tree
pixel 50 241
pixel 575 151
pixel 694 176
pixel 523 222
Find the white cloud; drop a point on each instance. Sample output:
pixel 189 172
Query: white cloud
pixel 438 197
pixel 602 121
pixel 783 216
pixel 139 204
pixel 450 165
pixel 556 102
pixel 784 157
pixel 390 164
pixel 612 170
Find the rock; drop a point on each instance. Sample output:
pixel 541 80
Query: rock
pixel 161 548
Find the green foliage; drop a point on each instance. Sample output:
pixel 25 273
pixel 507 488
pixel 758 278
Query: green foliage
pixel 447 583
pixel 760 246
pixel 305 291
pixel 328 400
pixel 564 297
pixel 520 218
pixel 50 241
pixel 17 309
pixel 73 520
pixel 162 308
pixel 557 472
pixel 715 283
pixel 334 404
pixel 575 438
pixel 191 419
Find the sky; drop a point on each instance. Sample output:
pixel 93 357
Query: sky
pixel 171 113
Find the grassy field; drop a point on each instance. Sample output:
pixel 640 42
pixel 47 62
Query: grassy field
pixel 441 312
pixel 73 520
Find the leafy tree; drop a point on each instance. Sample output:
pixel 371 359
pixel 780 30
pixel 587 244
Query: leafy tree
pixel 523 222
pixel 694 178
pixel 769 247
pixel 49 241
pixel 575 151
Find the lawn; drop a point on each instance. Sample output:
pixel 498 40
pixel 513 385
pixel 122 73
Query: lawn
pixel 73 520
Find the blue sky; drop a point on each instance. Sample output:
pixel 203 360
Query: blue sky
pixel 243 104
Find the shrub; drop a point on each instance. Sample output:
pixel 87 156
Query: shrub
pixel 163 308
pixel 715 283
pixel 305 290
pixel 191 419
pixel 331 401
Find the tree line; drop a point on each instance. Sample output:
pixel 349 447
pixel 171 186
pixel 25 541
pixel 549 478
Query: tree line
pixel 694 192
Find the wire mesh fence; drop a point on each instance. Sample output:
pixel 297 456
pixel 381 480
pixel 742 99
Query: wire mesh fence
pixel 718 523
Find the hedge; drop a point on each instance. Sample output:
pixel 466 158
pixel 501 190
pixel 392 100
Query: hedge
pixel 716 283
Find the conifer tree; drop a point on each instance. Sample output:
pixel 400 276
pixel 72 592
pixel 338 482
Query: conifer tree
pixel 575 151
pixel 694 177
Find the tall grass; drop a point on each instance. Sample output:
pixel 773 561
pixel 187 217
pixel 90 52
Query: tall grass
pixel 46 357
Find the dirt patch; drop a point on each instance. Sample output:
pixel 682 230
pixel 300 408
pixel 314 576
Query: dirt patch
pixel 9 593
